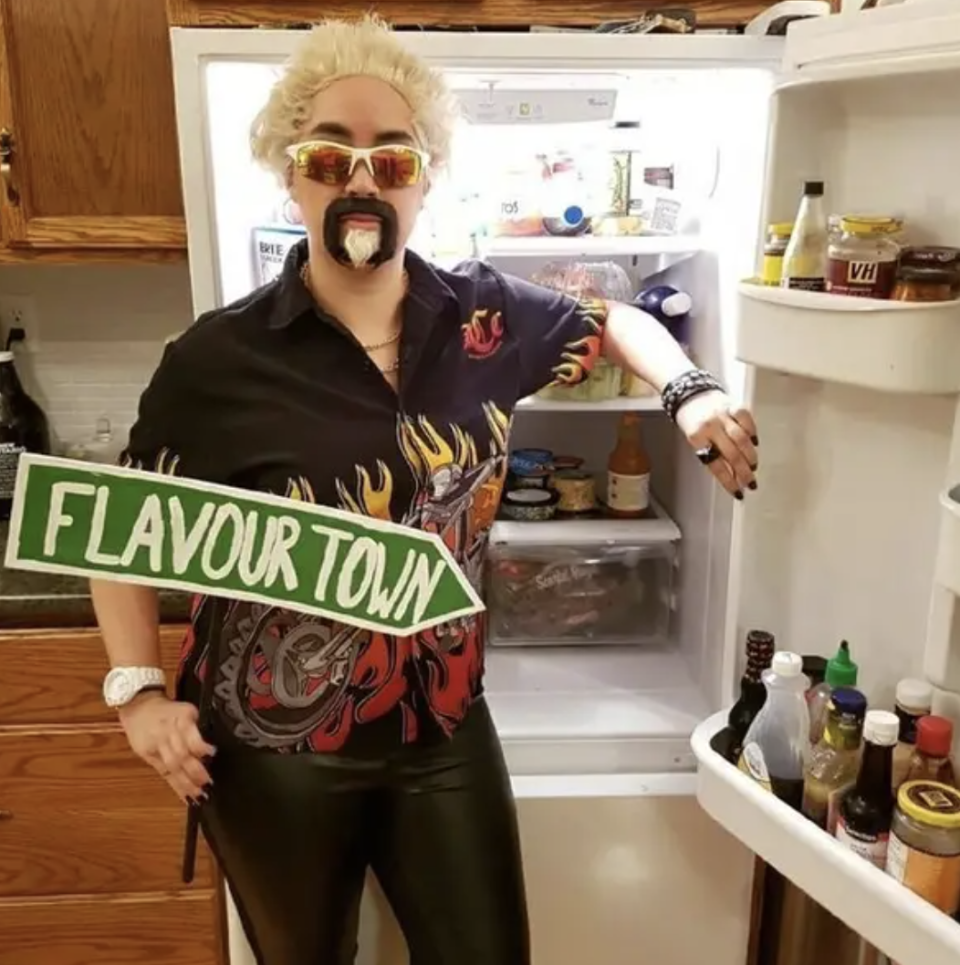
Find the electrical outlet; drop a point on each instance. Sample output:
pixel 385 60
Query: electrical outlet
pixel 20 311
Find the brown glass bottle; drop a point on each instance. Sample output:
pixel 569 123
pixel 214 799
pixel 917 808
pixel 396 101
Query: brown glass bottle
pixel 23 428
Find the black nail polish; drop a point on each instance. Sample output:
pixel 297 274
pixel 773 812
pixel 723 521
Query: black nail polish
pixel 755 440
pixel 738 495
pixel 753 485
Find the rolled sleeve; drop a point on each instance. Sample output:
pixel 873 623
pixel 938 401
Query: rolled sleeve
pixel 559 336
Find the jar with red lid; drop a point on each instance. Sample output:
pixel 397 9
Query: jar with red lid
pixel 932 760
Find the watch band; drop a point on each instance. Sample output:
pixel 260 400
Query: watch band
pixel 122 684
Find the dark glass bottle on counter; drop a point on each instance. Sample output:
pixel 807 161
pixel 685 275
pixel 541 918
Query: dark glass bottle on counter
pixel 760 646
pixel 23 428
pixel 866 812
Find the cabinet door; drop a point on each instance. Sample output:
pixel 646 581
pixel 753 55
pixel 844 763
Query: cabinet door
pixel 710 13
pixel 56 677
pixel 80 814
pixel 87 126
pixel 153 930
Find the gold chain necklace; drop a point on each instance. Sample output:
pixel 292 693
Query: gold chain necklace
pixel 376 345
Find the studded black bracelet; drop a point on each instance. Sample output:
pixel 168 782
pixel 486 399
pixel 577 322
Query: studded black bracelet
pixel 684 387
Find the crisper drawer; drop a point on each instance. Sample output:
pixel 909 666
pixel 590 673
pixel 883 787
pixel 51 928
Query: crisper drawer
pixel 580 593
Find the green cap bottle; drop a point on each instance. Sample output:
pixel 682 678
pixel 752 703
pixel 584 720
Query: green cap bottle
pixel 841 670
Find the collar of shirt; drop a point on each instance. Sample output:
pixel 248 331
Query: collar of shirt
pixel 428 295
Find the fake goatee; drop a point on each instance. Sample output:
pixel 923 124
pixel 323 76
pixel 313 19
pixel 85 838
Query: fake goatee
pixel 360 247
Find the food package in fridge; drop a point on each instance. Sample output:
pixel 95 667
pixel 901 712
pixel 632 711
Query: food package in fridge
pixel 515 199
pixel 270 247
pixel 579 594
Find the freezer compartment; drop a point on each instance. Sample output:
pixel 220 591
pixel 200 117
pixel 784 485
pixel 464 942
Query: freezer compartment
pixel 580 593
pixel 870 902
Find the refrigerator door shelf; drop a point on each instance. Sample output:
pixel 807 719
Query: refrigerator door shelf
pixel 905 347
pixel 887 915
pixel 915 37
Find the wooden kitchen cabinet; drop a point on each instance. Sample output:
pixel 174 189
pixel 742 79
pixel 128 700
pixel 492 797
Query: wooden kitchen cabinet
pixel 88 135
pixel 90 837
pixel 710 13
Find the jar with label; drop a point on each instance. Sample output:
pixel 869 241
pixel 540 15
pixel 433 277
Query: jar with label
pixel 863 261
pixel 923 285
pixel 775 247
pixel 924 851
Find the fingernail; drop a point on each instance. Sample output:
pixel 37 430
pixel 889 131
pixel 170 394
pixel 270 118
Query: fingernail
pixel 755 440
pixel 738 495
pixel 752 485
pixel 754 467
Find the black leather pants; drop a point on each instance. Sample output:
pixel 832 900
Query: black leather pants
pixel 295 835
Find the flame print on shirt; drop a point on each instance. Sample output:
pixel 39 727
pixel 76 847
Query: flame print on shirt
pixel 483 334
pixel 296 682
pixel 579 356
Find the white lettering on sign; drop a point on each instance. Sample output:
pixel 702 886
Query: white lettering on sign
pixel 421 588
pixel 227 513
pixel 251 575
pixel 334 539
pixel 93 553
pixel 383 599
pixel 184 545
pixel 147 533
pixel 57 519
pixel 288 533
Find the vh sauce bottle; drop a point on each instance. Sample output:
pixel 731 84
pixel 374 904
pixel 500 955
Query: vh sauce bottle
pixel 805 260
pixel 866 812
pixel 776 745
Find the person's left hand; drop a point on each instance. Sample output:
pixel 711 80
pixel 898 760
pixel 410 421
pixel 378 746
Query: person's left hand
pixel 725 438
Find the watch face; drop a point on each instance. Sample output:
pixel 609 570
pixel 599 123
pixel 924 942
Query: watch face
pixel 118 687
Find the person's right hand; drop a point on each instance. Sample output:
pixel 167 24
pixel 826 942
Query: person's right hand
pixel 164 733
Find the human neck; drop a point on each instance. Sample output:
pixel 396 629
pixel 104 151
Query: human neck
pixel 367 301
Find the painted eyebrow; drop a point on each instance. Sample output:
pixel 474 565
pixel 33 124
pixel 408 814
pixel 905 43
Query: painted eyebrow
pixel 342 133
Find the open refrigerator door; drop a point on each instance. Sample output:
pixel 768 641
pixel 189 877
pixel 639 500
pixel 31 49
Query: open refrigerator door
pixel 857 400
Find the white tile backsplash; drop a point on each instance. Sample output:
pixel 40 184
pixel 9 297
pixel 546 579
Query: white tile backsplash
pixel 102 329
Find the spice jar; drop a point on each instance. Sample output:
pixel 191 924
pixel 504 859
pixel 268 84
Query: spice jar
pixel 778 237
pixel 577 491
pixel 924 850
pixel 938 257
pixel 923 285
pixel 863 260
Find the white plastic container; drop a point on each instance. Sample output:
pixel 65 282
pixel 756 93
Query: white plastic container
pixel 777 743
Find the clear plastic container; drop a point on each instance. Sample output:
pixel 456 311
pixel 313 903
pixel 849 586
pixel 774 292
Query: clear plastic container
pixel 579 594
pixel 778 741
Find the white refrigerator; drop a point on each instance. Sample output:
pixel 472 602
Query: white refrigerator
pixel 638 840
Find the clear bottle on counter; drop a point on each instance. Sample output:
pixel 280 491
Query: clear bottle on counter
pixel 932 758
pixel 834 762
pixel 840 671
pixel 777 743
pixel 753 694
pixel 805 260
pixel 866 811
pixel 862 262
pixel 913 701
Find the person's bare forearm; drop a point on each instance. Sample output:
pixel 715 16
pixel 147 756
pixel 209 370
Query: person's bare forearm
pixel 639 343
pixel 129 618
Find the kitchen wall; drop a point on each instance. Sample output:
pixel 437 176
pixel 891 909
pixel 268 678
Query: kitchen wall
pixel 101 331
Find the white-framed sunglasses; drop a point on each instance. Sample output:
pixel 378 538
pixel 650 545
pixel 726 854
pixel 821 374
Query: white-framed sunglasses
pixel 390 165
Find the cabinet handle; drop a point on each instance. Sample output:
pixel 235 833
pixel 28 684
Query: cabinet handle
pixel 6 815
pixel 6 166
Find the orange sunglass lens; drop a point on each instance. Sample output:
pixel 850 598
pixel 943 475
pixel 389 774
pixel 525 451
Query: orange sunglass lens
pixel 328 164
pixel 396 169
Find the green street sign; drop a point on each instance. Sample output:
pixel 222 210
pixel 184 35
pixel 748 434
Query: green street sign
pixel 140 527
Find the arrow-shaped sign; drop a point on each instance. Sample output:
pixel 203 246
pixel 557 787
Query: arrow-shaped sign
pixel 141 527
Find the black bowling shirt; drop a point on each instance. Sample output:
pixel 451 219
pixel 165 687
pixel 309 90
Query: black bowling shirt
pixel 272 394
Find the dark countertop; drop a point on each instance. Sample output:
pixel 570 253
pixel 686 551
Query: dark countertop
pixel 40 600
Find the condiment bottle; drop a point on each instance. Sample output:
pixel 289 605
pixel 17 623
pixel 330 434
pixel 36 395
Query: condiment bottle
pixel 778 740
pixel 841 671
pixel 23 428
pixel 753 694
pixel 775 247
pixel 805 260
pixel 863 261
pixel 628 471
pixel 914 700
pixel 833 764
pixel 863 824
pixel 931 760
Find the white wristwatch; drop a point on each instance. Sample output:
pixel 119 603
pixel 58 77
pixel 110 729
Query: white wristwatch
pixel 122 684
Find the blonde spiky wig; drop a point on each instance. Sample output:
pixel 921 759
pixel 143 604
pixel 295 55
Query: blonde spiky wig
pixel 336 49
